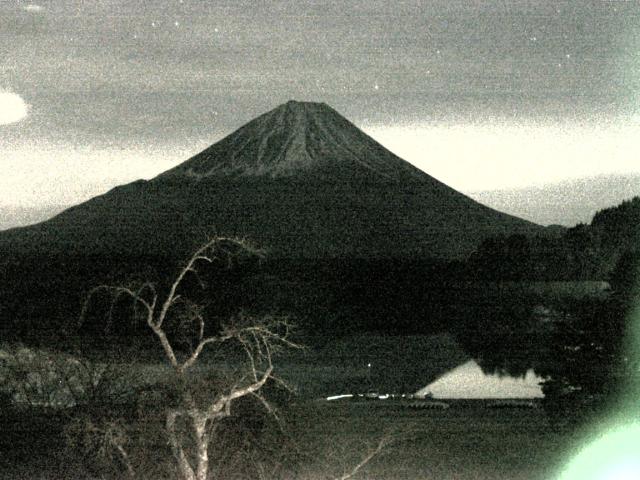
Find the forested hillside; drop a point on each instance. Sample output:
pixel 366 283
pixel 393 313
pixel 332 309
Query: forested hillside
pixel 583 252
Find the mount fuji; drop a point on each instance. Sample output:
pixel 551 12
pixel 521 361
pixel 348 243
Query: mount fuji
pixel 300 181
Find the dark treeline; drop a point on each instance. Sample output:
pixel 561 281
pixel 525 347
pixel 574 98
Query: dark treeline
pixel 333 297
pixel 583 252
pixel 522 326
pixel 581 342
pixel 44 294
pixel 41 297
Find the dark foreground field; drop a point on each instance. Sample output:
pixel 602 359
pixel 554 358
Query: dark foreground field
pixel 464 442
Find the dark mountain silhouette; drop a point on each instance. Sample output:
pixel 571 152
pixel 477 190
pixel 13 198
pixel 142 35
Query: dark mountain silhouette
pixel 300 181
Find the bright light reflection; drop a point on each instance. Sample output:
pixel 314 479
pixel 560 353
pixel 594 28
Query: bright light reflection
pixel 338 397
pixel 614 456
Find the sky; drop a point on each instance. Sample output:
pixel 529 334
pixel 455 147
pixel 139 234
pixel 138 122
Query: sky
pixel 480 94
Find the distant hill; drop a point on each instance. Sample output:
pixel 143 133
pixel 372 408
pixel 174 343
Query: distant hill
pixel 301 181
pixel 565 203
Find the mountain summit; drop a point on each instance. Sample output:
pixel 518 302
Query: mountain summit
pixel 301 181
pixel 299 139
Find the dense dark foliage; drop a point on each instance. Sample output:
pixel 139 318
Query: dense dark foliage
pixel 590 366
pixel 578 340
pixel 504 328
pixel 326 298
pixel 584 252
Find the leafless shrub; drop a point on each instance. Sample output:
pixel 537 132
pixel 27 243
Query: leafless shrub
pixel 216 372
pixel 191 420
pixel 37 378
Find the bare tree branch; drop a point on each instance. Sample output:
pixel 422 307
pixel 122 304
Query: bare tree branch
pixel 184 466
pixel 259 338
pixel 199 255
pixel 116 293
pixel 188 363
pixel 268 407
pixel 236 393
pixel 370 455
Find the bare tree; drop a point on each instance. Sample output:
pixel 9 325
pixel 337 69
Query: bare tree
pixel 258 338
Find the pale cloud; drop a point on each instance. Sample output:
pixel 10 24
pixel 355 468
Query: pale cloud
pixel 12 108
pixel 486 157
pixel 469 158
pixel 33 8
pixel 39 174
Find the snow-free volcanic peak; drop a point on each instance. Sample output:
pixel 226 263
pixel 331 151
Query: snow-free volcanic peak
pixel 300 181
pixel 297 139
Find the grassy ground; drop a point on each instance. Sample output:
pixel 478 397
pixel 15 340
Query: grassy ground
pixel 467 441
pixel 464 442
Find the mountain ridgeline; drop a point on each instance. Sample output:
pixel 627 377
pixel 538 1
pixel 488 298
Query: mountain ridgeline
pixel 300 181
pixel 305 141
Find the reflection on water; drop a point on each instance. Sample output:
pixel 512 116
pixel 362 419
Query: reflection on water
pixel 469 381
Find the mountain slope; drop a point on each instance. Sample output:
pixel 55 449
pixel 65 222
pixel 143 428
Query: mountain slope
pixel 300 181
pixel 299 140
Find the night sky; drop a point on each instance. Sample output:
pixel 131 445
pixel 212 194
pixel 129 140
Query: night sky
pixel 481 95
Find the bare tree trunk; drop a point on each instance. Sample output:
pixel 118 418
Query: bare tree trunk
pixel 202 448
pixel 186 471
